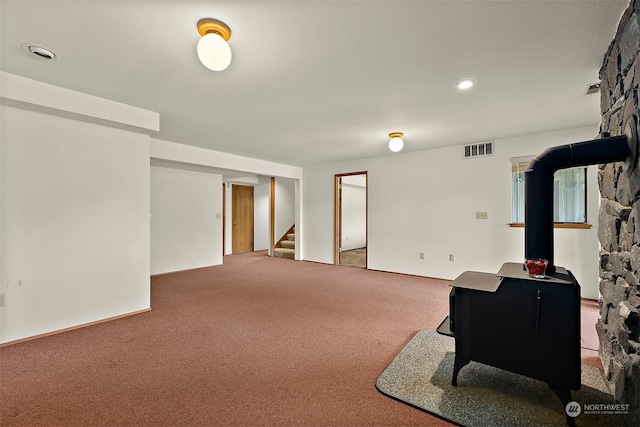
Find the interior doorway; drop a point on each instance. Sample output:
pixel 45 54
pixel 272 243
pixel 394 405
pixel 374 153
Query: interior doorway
pixel 242 218
pixel 350 224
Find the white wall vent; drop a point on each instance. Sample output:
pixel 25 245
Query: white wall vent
pixel 479 150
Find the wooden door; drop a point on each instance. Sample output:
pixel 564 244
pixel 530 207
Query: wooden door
pixel 242 219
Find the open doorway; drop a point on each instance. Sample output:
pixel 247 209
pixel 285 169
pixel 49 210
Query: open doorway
pixel 350 229
pixel 258 210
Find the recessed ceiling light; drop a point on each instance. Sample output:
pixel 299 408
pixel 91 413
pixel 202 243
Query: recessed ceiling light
pixel 465 83
pixel 40 52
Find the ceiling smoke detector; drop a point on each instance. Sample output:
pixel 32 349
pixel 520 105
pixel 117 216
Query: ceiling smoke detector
pixel 40 52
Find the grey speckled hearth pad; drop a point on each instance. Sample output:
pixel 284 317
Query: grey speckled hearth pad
pixel 485 396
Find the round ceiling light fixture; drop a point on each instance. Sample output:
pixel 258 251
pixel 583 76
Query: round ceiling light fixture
pixel 464 84
pixel 213 50
pixel 40 52
pixel 396 143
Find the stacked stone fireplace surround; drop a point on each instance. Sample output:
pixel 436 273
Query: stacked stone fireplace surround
pixel 619 222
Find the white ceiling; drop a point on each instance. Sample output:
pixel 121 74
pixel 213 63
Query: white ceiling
pixel 325 81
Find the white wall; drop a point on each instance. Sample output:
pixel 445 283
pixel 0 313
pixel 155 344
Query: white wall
pixel 186 228
pixel 228 226
pixel 176 152
pixel 75 205
pixel 75 223
pixel 43 97
pixel 261 202
pixel 427 202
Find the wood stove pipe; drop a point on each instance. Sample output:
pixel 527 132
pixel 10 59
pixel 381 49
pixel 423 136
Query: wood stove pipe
pixel 538 183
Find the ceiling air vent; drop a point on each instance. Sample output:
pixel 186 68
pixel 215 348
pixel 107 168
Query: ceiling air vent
pixel 478 150
pixel 593 88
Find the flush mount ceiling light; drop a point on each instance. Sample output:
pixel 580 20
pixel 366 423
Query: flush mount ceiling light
pixel 213 50
pixel 464 84
pixel 396 143
pixel 39 51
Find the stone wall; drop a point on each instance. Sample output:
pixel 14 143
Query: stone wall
pixel 619 222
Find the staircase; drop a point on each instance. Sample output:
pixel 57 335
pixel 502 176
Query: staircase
pixel 286 247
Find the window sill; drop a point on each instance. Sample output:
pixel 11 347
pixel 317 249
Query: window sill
pixel 581 226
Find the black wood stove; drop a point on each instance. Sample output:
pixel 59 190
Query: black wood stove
pixel 522 324
pixel 518 323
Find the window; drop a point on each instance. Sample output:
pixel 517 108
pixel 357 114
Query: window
pixel 569 193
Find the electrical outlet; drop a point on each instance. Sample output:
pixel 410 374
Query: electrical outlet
pixel 452 257
pixel 482 215
pixel 3 300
